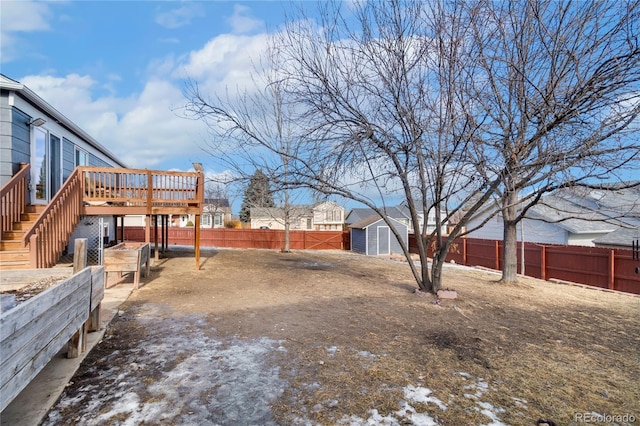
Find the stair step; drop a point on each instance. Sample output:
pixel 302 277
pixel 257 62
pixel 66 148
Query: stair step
pixel 13 235
pixel 29 217
pixel 22 226
pixel 12 266
pixel 35 208
pixel 13 255
pixel 11 245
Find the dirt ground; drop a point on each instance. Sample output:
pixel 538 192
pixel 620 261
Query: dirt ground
pixel 261 337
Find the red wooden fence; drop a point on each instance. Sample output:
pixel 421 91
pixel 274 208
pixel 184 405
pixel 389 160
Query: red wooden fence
pixel 248 238
pixel 594 266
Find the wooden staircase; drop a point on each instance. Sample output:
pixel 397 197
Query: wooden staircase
pixel 12 254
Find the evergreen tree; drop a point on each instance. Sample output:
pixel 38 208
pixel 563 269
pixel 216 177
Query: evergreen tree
pixel 257 194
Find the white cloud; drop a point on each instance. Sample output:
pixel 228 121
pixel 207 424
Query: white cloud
pixel 242 23
pixel 20 17
pixel 145 128
pixel 180 16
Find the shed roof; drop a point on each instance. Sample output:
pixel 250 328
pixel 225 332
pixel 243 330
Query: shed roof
pixel 370 220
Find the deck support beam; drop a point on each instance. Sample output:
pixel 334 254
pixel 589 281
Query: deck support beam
pixel 196 243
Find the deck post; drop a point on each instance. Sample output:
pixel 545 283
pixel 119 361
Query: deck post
pixel 147 229
pixel 156 255
pixel 196 243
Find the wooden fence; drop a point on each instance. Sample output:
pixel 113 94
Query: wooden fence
pixel 248 238
pixel 594 266
pixel 599 267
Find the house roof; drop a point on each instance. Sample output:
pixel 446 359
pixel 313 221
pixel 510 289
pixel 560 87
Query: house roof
pixel 218 202
pixel 581 210
pixel 620 237
pixel 368 221
pixel 15 86
pixel 358 214
pixel 574 218
pixel 278 212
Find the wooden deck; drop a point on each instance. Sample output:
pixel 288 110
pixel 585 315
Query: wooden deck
pixel 113 191
pixel 92 191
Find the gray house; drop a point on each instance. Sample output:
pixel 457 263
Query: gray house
pixel 607 217
pixel 35 132
pixel 372 236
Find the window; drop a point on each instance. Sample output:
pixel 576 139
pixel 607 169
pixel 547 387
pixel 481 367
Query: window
pixel 206 220
pixel 82 158
pixel 217 220
pixel 309 223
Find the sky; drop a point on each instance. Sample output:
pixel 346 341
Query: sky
pixel 118 68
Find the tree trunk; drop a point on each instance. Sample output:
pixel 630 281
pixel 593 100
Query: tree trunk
pixel 510 238
pixel 436 273
pixel 287 227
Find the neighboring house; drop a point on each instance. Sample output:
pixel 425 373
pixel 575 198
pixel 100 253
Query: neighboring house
pixel 300 218
pixel 574 216
pixel 328 216
pixel 399 213
pixel 322 216
pixel 216 212
pixel 372 236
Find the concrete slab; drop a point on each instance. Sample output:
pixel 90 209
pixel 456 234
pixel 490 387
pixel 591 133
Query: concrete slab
pixel 31 406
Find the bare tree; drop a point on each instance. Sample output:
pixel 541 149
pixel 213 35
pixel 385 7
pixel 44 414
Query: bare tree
pixel 555 91
pixel 378 87
pixel 252 129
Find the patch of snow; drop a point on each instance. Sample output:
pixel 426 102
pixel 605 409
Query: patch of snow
pixel 367 354
pixel 181 378
pixel 407 412
pixel 492 412
pixel 420 394
pixel 520 402
pixel 331 350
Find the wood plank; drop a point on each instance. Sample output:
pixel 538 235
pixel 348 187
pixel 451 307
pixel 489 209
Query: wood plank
pixel 10 389
pixel 27 311
pixel 17 352
pixel 122 267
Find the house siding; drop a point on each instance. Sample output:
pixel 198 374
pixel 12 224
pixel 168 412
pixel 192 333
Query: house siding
pixel 370 233
pixel 15 146
pixel 358 241
pixel 372 239
pixel 68 158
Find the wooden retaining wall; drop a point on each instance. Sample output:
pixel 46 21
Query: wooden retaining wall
pixel 34 331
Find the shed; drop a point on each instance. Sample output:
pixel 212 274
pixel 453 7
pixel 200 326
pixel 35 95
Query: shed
pixel 372 236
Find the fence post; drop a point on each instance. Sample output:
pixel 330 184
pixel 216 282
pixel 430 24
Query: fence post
pixel 464 251
pixel 543 262
pixel 612 262
pixel 78 342
pixel 497 256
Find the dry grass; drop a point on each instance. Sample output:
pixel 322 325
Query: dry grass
pixel 357 338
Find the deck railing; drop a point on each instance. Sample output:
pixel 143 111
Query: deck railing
pixel 141 188
pixel 49 235
pixel 87 186
pixel 13 198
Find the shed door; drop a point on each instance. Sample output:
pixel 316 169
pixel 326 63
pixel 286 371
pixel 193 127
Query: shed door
pixel 383 240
